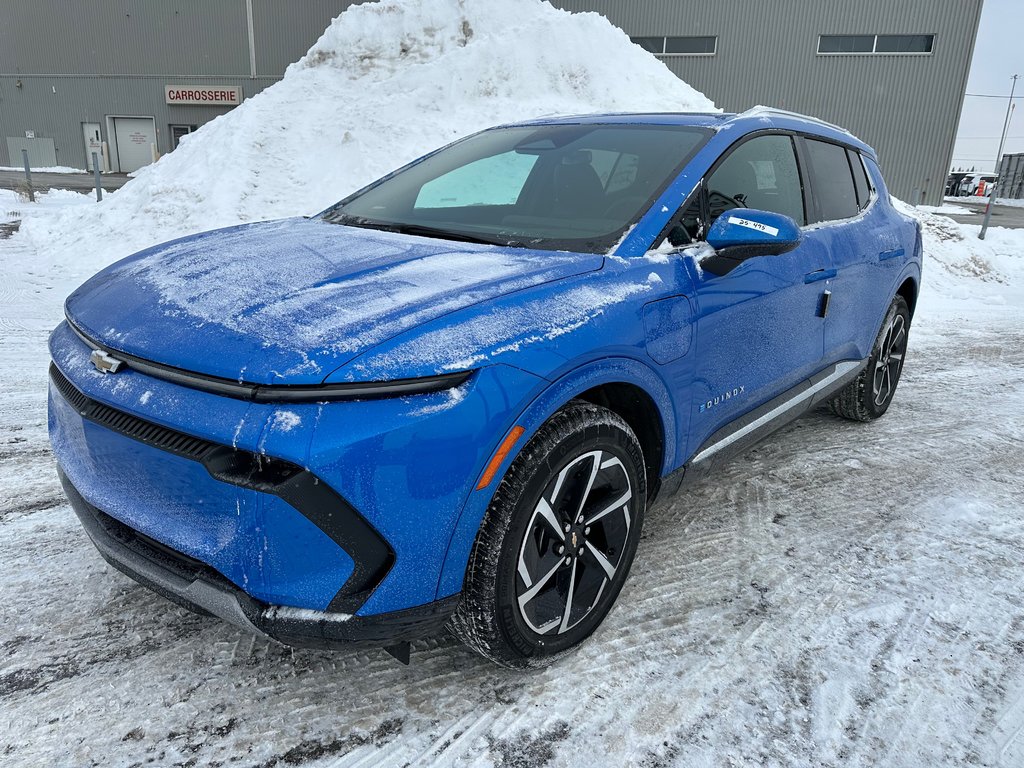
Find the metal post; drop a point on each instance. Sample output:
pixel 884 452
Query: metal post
pixel 96 173
pixel 28 176
pixel 999 157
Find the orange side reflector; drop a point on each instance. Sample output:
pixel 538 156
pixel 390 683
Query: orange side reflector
pixel 499 456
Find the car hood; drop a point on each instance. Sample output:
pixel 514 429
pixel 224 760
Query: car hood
pixel 288 302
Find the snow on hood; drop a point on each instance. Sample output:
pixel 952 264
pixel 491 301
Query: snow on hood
pixel 387 82
pixel 289 301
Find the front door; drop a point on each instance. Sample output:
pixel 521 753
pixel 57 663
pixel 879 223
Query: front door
pixel 758 329
pixel 93 144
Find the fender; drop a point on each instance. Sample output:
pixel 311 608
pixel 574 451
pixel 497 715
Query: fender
pixel 604 371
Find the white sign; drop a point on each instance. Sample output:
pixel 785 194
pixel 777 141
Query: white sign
pixel 774 232
pixel 30 134
pixel 208 95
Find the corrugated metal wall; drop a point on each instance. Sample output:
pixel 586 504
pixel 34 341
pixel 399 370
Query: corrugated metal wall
pixel 116 37
pixel 1011 177
pixel 907 107
pixel 63 64
pixel 286 30
pixel 79 62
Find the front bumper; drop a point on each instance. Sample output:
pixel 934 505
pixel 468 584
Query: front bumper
pixel 200 588
pixel 242 487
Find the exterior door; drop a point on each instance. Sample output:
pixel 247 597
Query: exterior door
pixel 93 144
pixel 758 327
pixel 135 138
pixel 863 246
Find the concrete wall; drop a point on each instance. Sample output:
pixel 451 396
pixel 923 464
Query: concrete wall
pixel 906 106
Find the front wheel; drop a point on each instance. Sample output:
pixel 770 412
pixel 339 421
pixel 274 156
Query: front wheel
pixel 557 540
pixel 868 396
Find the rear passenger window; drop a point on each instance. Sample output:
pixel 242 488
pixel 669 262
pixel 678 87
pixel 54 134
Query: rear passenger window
pixel 761 173
pixel 860 179
pixel 832 181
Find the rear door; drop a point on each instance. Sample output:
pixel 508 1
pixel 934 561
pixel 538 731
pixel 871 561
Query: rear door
pixel 861 243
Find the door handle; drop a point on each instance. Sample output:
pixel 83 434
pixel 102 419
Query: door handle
pixel 819 274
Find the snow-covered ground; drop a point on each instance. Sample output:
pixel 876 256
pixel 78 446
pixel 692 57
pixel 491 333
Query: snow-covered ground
pixel 946 209
pixel 842 595
pixel 48 169
pixel 14 207
pixel 978 200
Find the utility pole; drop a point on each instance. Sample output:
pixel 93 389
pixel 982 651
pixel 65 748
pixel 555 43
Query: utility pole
pixel 999 156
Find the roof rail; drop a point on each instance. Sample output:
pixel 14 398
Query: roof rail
pixel 768 111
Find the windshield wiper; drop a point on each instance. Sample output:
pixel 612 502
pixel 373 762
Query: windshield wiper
pixel 417 229
pixel 462 237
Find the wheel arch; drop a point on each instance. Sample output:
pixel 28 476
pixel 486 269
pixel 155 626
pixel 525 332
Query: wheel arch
pixel 639 410
pixel 908 290
pixel 620 384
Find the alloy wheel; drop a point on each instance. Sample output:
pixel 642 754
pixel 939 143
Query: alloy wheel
pixel 574 542
pixel 889 362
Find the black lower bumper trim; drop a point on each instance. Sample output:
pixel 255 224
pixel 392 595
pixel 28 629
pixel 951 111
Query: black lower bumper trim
pixel 202 589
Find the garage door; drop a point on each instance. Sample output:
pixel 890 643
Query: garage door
pixel 41 152
pixel 134 137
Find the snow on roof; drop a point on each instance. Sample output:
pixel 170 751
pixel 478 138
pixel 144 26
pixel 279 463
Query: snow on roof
pixel 387 82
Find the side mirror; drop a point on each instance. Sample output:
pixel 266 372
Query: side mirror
pixel 742 233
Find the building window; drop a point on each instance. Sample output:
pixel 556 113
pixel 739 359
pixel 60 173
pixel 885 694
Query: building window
pixel 655 45
pixel 899 44
pixel 679 46
pixel 904 43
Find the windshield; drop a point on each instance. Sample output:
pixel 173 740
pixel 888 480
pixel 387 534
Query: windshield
pixel 555 187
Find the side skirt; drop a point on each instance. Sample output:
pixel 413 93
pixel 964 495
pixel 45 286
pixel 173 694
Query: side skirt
pixel 742 433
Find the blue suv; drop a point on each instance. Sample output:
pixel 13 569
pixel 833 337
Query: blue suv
pixel 449 399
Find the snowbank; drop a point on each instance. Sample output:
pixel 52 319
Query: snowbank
pixel 956 210
pixel 387 82
pixel 958 265
pixel 14 207
pixel 49 169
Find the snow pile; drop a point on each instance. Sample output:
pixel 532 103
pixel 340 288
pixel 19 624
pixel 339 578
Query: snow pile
pixel 953 252
pixel 387 82
pixel 15 206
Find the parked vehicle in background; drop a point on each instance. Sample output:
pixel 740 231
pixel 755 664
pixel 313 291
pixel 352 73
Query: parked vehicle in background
pixel 976 184
pixel 450 399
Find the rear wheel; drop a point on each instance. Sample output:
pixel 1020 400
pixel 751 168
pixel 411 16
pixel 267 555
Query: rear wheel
pixel 557 540
pixel 868 396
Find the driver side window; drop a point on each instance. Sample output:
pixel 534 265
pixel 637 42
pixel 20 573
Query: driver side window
pixel 761 173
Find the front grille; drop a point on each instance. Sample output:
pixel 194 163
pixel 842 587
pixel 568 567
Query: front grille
pixel 172 441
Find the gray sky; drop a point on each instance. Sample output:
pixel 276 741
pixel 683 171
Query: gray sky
pixel 998 55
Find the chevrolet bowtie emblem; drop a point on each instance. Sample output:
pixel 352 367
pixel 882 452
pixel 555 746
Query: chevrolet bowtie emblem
pixel 105 363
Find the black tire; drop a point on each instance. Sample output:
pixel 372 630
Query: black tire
pixel 869 395
pixel 516 552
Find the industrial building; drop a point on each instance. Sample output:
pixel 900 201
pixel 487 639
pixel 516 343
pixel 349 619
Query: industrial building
pixel 128 78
